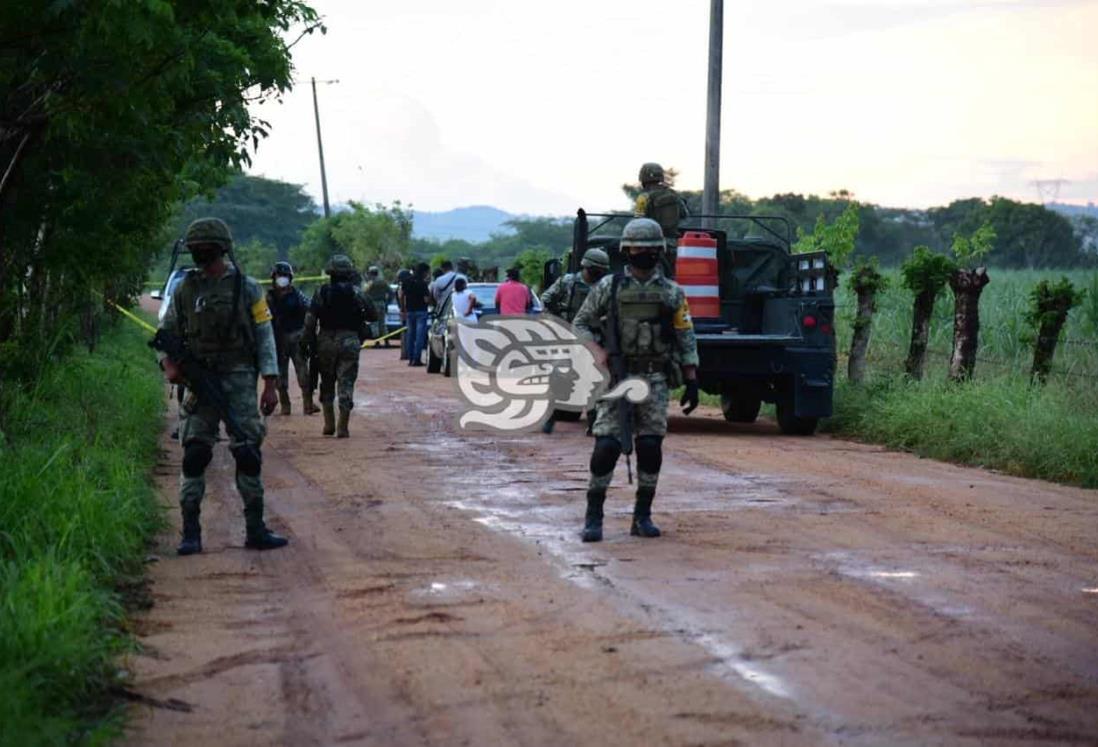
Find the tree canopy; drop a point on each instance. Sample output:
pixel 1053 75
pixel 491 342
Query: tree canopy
pixel 110 114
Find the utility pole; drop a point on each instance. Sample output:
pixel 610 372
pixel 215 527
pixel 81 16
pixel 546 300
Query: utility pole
pixel 711 192
pixel 320 150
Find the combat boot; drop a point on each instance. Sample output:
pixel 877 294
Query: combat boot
pixel 642 514
pixel 592 526
pixel 308 405
pixel 341 429
pixel 284 400
pixel 192 535
pixel 259 537
pixel 329 418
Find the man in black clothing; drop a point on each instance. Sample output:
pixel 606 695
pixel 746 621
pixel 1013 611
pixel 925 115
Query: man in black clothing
pixel 415 298
pixel 288 306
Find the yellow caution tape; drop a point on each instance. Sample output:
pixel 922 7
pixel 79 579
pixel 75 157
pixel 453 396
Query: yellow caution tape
pixel 133 317
pixel 383 339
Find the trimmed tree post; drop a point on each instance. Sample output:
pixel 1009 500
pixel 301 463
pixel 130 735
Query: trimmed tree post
pixel 1049 307
pixel 968 282
pixel 866 282
pixel 967 286
pixel 924 274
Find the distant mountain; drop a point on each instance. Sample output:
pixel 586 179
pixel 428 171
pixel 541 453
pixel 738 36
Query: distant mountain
pixel 473 224
pixel 1090 209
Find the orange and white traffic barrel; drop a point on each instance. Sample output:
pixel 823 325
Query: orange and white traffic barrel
pixel 696 272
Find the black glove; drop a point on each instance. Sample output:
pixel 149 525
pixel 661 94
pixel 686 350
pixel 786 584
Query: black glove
pixel 689 397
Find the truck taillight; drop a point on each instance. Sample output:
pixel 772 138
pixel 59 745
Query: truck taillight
pixel 826 328
pixel 808 321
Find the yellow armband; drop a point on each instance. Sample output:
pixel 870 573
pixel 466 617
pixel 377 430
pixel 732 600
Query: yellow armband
pixel 261 312
pixel 682 318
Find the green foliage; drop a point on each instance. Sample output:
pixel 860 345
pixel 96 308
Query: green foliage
pixel 256 258
pixel 1089 309
pixel 836 237
pixel 1002 423
pixel 266 211
pixel 531 264
pixel 377 235
pixel 77 509
pixel 866 277
pixel 970 250
pixel 926 271
pixel 114 111
pixel 1049 299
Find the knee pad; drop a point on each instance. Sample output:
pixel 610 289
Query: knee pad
pixel 196 456
pixel 249 460
pixel 605 455
pixel 649 453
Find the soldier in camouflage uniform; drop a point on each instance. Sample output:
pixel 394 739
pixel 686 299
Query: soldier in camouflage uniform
pixel 662 204
pixel 656 337
pixel 343 315
pixel 565 297
pixel 288 306
pixel 377 292
pixel 224 319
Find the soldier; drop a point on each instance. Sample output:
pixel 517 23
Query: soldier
pixel 377 292
pixel 288 306
pixel 224 320
pixel 565 297
pixel 654 335
pixel 662 204
pixel 344 315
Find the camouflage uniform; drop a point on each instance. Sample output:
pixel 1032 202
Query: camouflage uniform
pixel 664 205
pixel 343 315
pixel 226 324
pixel 288 309
pixel 565 296
pixel 656 339
pixel 377 291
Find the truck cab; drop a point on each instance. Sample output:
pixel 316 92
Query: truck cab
pixel 774 338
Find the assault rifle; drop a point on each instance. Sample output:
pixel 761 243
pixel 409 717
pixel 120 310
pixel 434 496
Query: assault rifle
pixel 206 387
pixel 619 373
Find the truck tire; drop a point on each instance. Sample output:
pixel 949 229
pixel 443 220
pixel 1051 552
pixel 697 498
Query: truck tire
pixel 434 363
pixel 790 424
pixel 740 408
pixel 446 363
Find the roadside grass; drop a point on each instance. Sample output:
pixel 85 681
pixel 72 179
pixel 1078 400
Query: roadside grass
pixel 76 511
pixel 999 419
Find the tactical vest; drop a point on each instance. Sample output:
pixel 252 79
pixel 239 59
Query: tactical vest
pixel 577 294
pixel 665 207
pixel 288 310
pixel 218 330
pixel 340 308
pixel 378 290
pixel 644 324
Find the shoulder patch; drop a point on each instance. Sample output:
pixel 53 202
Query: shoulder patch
pixel 682 320
pixel 261 312
pixel 641 206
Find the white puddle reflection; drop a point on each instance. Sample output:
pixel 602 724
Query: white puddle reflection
pixel 1091 591
pixel 893 574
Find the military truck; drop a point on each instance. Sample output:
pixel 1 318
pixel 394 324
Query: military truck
pixel 774 340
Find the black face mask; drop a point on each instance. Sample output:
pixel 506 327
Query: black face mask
pixel 202 256
pixel 644 260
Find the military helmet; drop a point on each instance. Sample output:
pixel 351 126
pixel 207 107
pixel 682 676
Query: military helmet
pixel 340 264
pixel 596 258
pixel 373 270
pixel 209 231
pixel 650 172
pixel 642 232
pixel 282 268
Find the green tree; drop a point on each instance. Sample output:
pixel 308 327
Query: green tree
pixel 110 114
pixel 836 238
pixel 377 235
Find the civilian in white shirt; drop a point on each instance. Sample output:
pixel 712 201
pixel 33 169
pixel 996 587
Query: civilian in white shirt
pixel 464 301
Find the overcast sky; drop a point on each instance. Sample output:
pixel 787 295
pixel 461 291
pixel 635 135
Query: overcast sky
pixel 541 107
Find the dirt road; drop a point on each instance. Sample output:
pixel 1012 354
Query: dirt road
pixel 805 591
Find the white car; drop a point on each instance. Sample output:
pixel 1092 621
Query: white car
pixel 164 295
